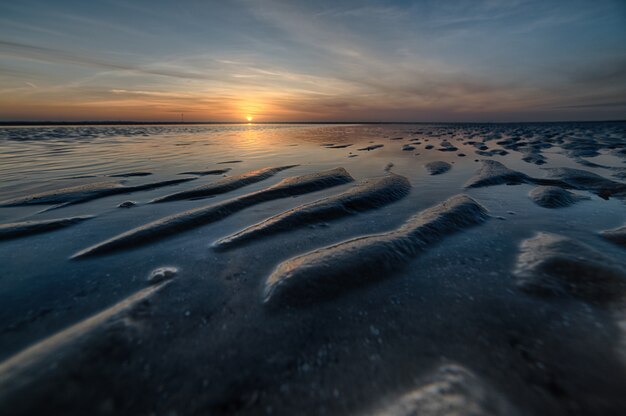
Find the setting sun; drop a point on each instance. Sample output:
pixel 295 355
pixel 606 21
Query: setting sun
pixel 249 118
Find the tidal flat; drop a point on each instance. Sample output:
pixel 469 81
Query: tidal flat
pixel 300 269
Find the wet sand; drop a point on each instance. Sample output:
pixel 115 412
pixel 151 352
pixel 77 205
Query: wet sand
pixel 290 277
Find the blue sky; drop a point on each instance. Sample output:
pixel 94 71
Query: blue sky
pixel 490 60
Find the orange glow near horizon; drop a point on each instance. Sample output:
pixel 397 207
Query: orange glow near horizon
pixel 271 61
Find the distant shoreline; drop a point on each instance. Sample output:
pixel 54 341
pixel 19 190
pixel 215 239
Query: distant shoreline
pixel 192 123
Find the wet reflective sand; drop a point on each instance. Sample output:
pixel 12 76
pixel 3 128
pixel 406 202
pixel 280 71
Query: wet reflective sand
pixel 500 279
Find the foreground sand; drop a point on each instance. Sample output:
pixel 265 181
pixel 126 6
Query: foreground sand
pixel 393 269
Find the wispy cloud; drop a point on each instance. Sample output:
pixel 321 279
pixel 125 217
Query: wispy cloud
pixel 315 60
pixel 25 51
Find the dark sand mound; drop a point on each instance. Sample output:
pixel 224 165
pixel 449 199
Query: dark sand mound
pixel 446 146
pixel 369 194
pixel 584 180
pixel 550 264
pixel 162 273
pixel 207 172
pixel 329 270
pixel 79 177
pixel 533 156
pixel 495 173
pixel 554 197
pixel 493 152
pixel 617 235
pixel 130 174
pixel 451 390
pixel 34 364
pixel 589 163
pixel 20 229
pixel 372 147
pixel 176 223
pixel 83 193
pixel 338 146
pixel 582 147
pixel 225 185
pixel 438 167
pixel 620 173
pixel 477 145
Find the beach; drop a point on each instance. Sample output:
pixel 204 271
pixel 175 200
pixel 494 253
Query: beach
pixel 309 269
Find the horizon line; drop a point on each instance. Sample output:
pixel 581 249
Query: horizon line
pixel 134 122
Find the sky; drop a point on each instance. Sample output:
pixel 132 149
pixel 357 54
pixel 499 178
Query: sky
pixel 429 60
